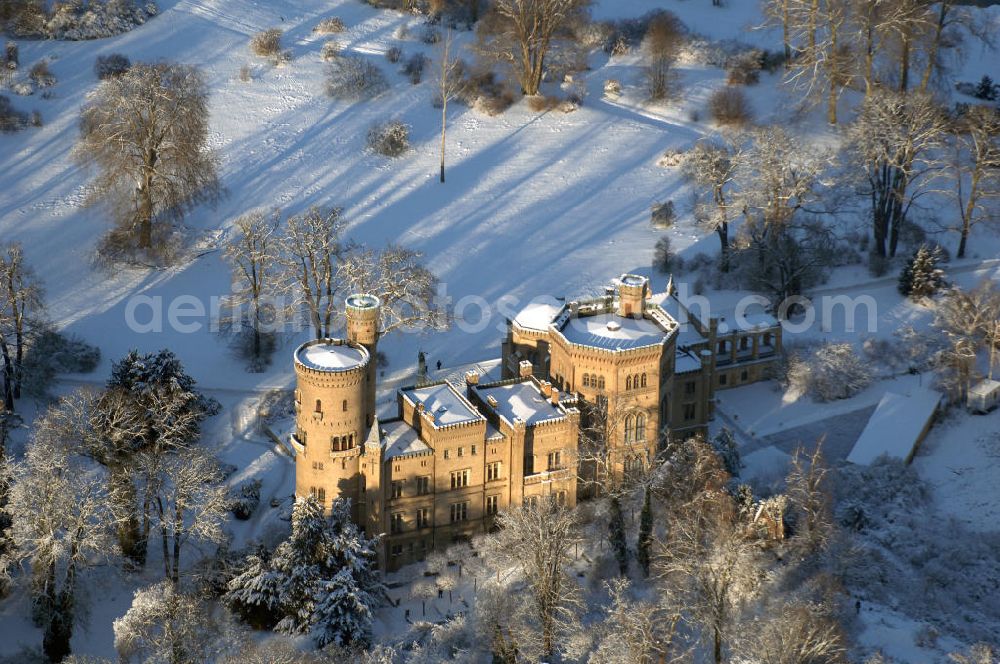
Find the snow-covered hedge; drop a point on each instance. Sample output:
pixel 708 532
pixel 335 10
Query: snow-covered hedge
pixel 95 20
pixel 832 371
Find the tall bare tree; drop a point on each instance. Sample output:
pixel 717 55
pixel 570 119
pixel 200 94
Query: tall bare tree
pixel 537 540
pixel 20 304
pixel 521 32
pixel 311 252
pixel 713 166
pixel 449 83
pixel 976 169
pixel 897 141
pixel 661 44
pixel 822 65
pixel 60 525
pixel 146 133
pixel 793 632
pixel 405 287
pixel 636 631
pixel 253 255
pixel 811 502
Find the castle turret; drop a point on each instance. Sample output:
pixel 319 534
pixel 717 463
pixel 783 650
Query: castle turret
pixel 330 419
pixel 632 293
pixel 363 320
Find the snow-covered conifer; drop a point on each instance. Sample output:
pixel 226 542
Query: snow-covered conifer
pixel 922 276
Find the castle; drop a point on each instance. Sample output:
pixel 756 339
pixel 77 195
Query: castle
pixel 591 390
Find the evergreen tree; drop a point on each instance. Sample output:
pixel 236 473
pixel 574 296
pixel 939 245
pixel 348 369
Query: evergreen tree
pixel 724 444
pixel 254 593
pixel 985 89
pixel 321 581
pixel 616 535
pixel 645 533
pixel 921 277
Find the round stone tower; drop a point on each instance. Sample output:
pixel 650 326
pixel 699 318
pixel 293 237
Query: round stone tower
pixel 363 312
pixel 633 290
pixel 331 426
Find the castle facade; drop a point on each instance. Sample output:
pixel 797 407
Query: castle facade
pixel 591 390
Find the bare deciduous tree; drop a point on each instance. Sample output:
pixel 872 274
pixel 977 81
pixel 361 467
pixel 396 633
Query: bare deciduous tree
pixel 60 526
pixel 897 141
pixel 809 495
pixel 636 631
pixel 253 256
pixel 713 165
pixel 311 251
pixel 661 44
pixel 793 632
pixel 189 502
pixel 165 624
pixel 521 32
pixel 146 133
pixel 449 84
pixel 537 540
pixel 396 275
pixel 976 169
pixel 20 304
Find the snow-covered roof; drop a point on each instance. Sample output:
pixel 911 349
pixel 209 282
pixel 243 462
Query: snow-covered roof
pixel 537 315
pixel 399 438
pixel 984 388
pixel 613 332
pixel 894 428
pixel 686 363
pixel 331 355
pixel 521 400
pixel 687 335
pixel 444 401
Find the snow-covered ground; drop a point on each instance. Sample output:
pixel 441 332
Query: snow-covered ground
pixel 535 204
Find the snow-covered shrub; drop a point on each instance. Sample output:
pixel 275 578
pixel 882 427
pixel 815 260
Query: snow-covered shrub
pixel 41 75
pixel 266 43
pixel 244 499
pixel 330 25
pixel 96 20
pixel 662 215
pixel 36 119
pixel 394 54
pixel 23 88
pixel 354 78
pixel 111 65
pixel 724 444
pixel 11 119
pixel 613 88
pixel 921 277
pixel 49 353
pixel 246 74
pixel 390 139
pixel 485 92
pixel 276 405
pixel 542 103
pixel 832 371
pixel 729 106
pixel 414 66
pixel 430 35
pixel 744 68
pixel 330 51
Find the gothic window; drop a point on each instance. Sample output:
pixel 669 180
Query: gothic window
pixel 643 380
pixel 628 382
pixel 319 406
pixel 640 427
pixel 629 428
pixel 600 382
pixel 586 380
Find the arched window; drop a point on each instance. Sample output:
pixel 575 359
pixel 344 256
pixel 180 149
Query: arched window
pixel 635 381
pixel 600 382
pixel 586 380
pixel 629 428
pixel 643 379
pixel 319 406
pixel 335 443
pixel 640 427
pixel 628 382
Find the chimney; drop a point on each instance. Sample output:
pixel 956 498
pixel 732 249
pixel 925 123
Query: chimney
pixel 555 397
pixel 546 388
pixel 472 378
pixel 632 292
pixel 524 369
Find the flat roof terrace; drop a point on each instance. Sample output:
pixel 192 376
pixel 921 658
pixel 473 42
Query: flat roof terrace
pixel 610 331
pixel 333 355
